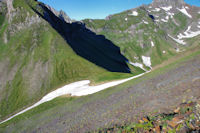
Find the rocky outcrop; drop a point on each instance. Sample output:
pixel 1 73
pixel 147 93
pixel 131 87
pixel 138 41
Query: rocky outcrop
pixel 60 14
pixel 174 3
pixel 10 8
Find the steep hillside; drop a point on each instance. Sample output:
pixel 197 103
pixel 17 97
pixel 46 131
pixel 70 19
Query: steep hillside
pixel 36 59
pixel 42 49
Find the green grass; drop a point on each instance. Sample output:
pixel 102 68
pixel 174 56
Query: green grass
pixel 130 44
pixel 2 18
pixel 68 101
pixel 182 20
pixel 41 44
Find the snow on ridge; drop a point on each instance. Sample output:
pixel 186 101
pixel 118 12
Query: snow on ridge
pixel 186 7
pixel 134 13
pixel 156 10
pixel 152 44
pixel 184 11
pixel 188 29
pixel 167 8
pixel 177 40
pixel 188 33
pixel 146 61
pixel 170 14
pixel 164 20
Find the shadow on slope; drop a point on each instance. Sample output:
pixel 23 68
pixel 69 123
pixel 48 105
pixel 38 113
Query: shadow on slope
pixel 95 48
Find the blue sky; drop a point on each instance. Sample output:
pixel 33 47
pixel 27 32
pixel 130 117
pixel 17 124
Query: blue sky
pixel 96 9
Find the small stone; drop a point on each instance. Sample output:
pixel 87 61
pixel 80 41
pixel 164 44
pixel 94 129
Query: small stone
pixel 141 121
pixel 157 129
pixel 175 122
pixel 177 110
pixel 145 119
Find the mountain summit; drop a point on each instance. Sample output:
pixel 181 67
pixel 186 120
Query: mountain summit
pixel 168 2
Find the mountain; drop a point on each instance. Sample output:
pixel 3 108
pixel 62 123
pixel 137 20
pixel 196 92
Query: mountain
pixel 158 30
pixel 42 49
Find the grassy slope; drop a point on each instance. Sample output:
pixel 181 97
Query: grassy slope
pixel 54 105
pixel 41 45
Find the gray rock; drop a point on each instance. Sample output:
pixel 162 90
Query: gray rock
pixel 61 14
pixel 174 3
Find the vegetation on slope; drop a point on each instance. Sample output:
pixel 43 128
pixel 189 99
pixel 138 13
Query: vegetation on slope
pixel 36 60
pixel 185 118
pixel 133 36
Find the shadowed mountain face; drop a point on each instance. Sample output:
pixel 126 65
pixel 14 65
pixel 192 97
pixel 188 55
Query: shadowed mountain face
pixel 95 48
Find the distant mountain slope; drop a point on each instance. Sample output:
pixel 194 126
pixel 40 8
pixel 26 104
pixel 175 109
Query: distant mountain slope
pixel 158 30
pixel 35 59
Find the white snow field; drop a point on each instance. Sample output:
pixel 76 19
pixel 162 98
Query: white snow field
pixel 184 11
pixel 80 88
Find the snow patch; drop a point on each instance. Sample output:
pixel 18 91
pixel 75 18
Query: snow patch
pixel 156 10
pixel 164 52
pixel 177 40
pixel 152 44
pixel 146 61
pixel 170 14
pixel 138 65
pixel 198 26
pixel 164 20
pixel 126 19
pixel 145 22
pixel 167 8
pixel 186 7
pixel 184 11
pixel 134 13
pixel 177 50
pixel 80 88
